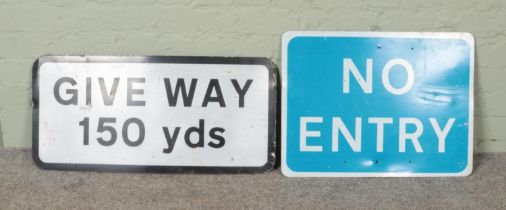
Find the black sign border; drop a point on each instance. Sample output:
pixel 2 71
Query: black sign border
pixel 273 117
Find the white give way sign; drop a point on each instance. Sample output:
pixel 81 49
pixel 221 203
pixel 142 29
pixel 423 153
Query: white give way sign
pixel 202 114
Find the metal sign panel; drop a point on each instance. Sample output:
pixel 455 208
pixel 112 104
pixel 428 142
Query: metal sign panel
pixel 160 114
pixel 377 104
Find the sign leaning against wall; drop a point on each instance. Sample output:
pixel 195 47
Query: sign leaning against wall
pixel 377 104
pixel 154 113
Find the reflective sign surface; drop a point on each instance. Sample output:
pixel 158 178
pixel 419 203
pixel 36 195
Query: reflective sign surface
pixel 377 104
pixel 194 114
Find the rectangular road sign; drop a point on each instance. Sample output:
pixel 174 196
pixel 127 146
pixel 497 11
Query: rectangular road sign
pixel 377 104
pixel 174 114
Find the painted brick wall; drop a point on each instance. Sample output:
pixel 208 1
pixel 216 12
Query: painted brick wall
pixel 31 28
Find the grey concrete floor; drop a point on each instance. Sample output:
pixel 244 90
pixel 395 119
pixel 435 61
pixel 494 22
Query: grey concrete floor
pixel 23 185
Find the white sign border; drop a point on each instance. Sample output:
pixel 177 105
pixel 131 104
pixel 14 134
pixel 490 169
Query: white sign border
pixel 289 35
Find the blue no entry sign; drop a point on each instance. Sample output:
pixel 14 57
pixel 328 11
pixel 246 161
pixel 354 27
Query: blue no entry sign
pixel 377 104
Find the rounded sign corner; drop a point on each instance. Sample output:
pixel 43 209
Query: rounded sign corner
pixel 38 64
pixel 38 160
pixel 287 38
pixel 286 171
pixel 468 38
pixel 288 35
pixel 269 65
pixel 267 167
pixel 467 171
